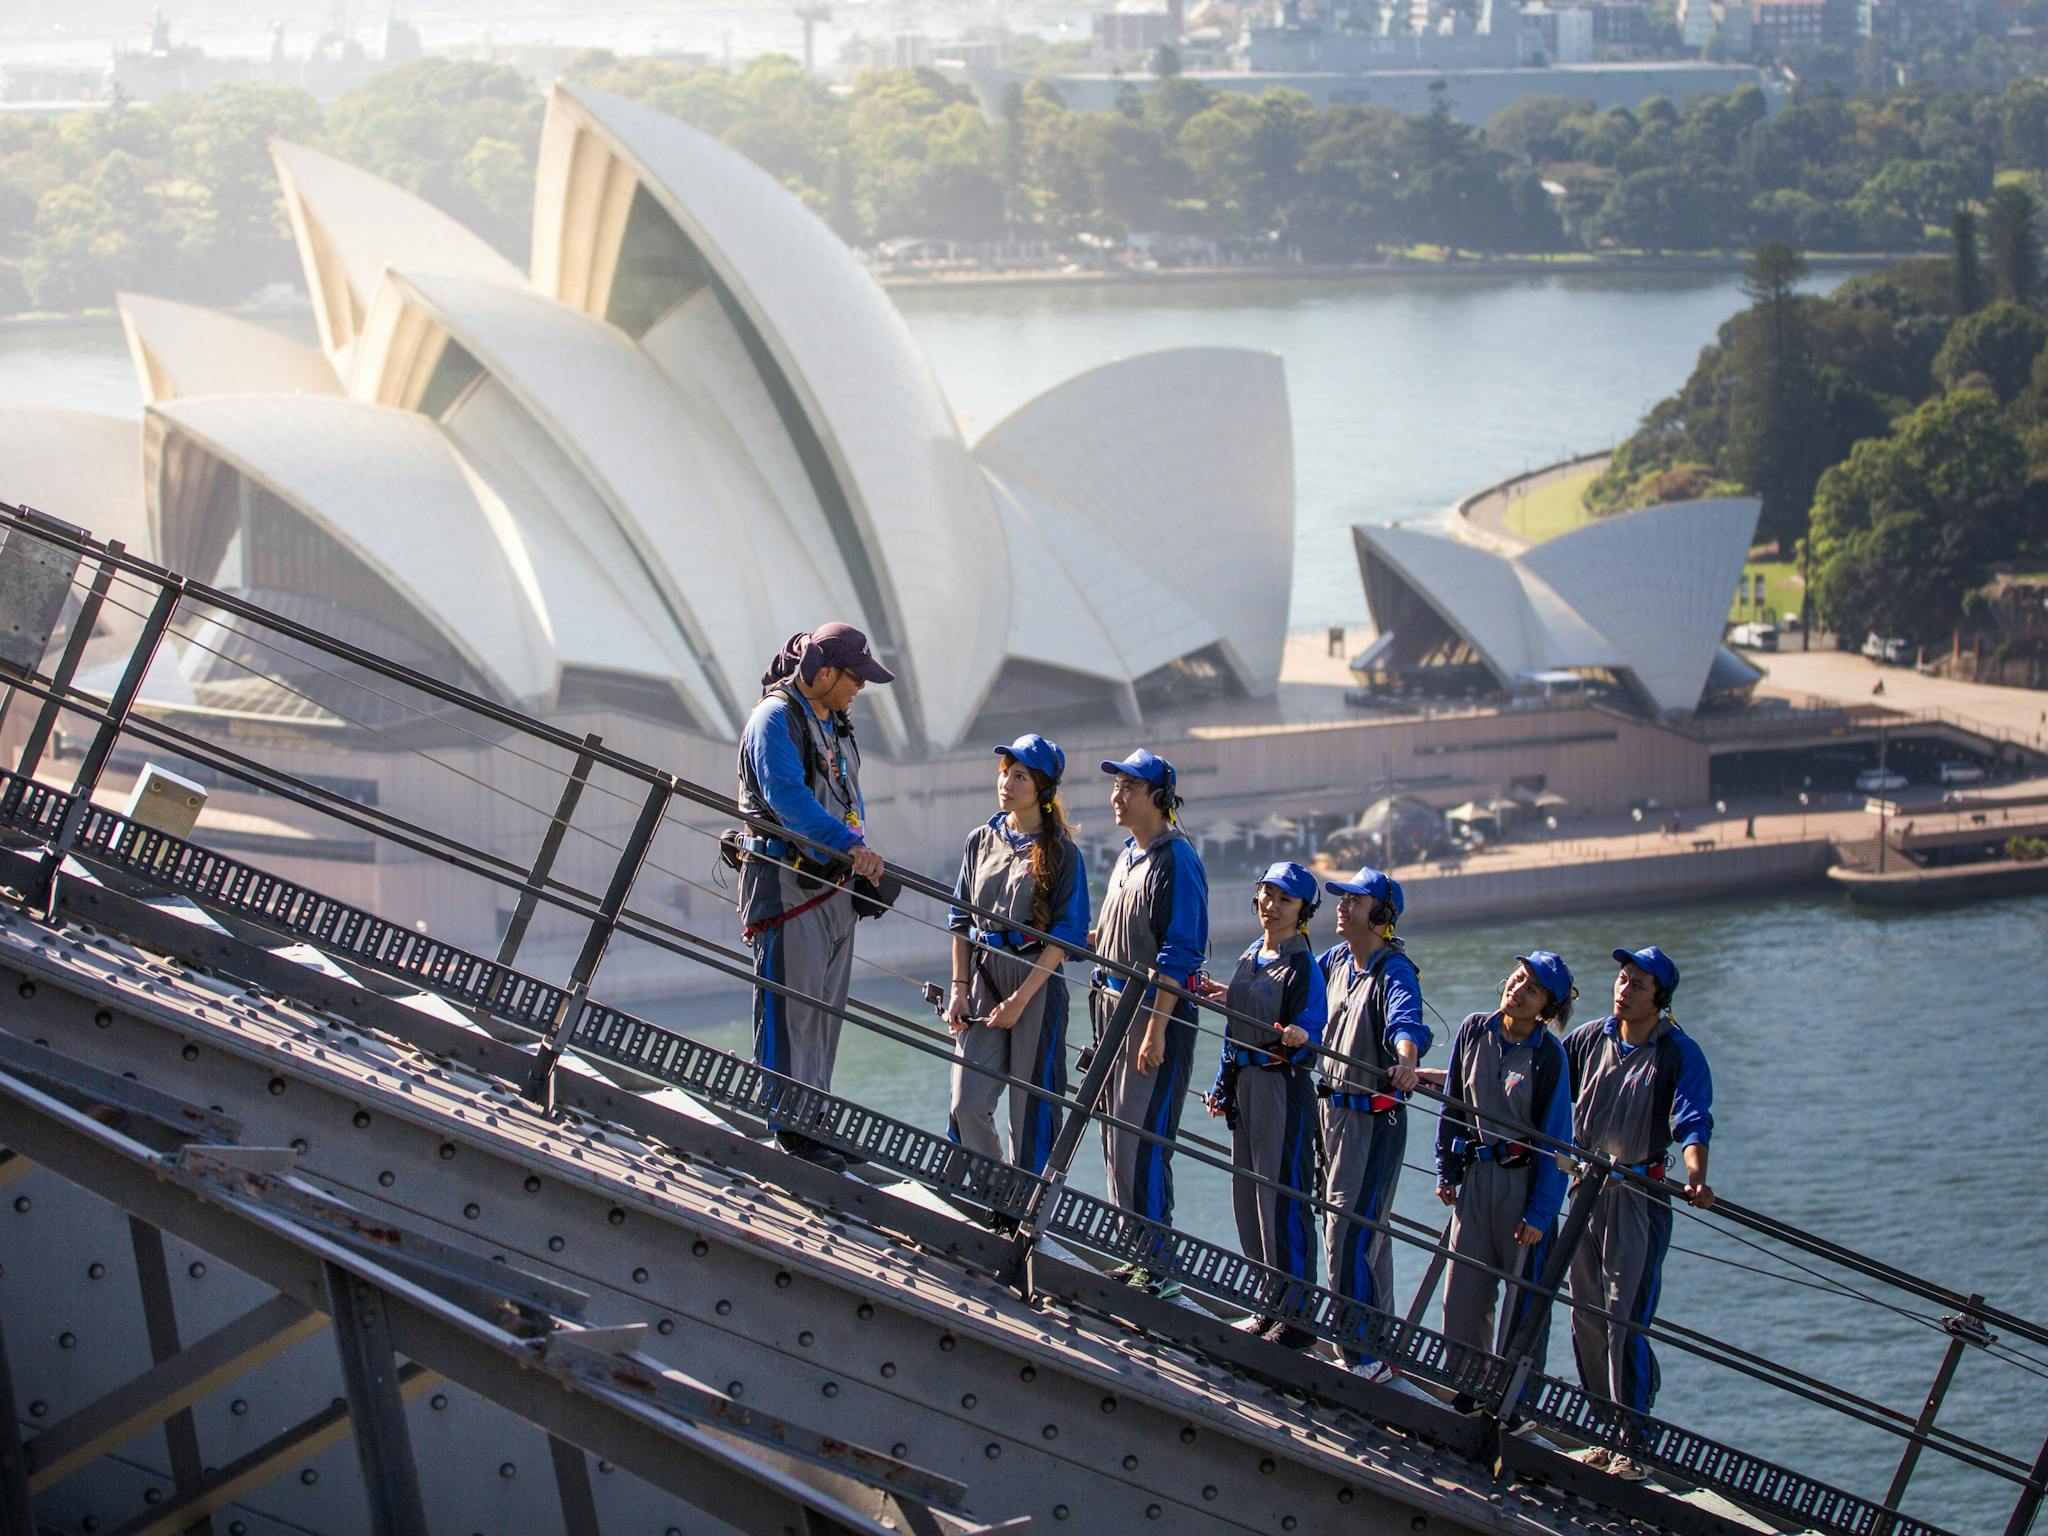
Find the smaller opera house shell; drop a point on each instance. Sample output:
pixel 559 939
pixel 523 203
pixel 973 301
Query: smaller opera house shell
pixel 1636 602
pixel 693 427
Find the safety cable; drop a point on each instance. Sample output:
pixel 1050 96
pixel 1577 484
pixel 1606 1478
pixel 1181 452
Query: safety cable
pixel 499 746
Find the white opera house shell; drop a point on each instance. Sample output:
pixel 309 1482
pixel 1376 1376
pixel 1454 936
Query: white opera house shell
pixel 693 427
pixel 1636 602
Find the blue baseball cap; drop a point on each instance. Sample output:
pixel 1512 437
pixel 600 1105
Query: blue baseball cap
pixel 1369 882
pixel 1551 973
pixel 1035 752
pixel 1291 880
pixel 1662 968
pixel 1143 764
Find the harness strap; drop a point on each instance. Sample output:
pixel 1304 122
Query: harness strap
pixel 1375 1103
pixel 754 930
pixel 1509 1154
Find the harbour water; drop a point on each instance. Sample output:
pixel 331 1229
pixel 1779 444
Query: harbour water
pixel 1879 1077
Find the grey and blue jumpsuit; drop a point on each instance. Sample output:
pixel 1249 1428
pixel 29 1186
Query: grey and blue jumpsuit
pixel 801 930
pixel 995 875
pixel 1273 1095
pixel 1155 916
pixel 1365 1123
pixel 1498 1086
pixel 1630 1103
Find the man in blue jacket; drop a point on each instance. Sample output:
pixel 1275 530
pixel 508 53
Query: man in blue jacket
pixel 799 771
pixel 1639 1083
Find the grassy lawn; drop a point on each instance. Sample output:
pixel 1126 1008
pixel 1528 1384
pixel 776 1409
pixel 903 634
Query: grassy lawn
pixel 1554 509
pixel 1782 590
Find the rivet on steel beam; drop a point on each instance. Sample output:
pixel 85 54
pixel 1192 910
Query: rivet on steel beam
pixel 1209 1490
pixel 735 1389
pixel 472 1210
pixel 95 1271
pixel 556 1245
pixel 1029 1373
pixel 806 1339
pixel 888 1368
pixel 1153 1511
pixel 831 1389
pixel 665 1327
pixel 864 1311
pixel 640 1277
pixel 386 1179
pixel 723 1309
pixel 967 1400
pixel 700 1248
pixel 1059 1511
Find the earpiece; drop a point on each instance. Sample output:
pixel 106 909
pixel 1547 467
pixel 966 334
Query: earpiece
pixel 1382 918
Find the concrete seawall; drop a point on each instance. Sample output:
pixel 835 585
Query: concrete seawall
pixel 1649 878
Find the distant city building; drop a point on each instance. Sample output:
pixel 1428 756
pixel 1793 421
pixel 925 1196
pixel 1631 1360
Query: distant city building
pixel 25 81
pixel 1125 33
pixel 1735 24
pixel 1567 31
pixel 1779 25
pixel 336 64
pixel 1400 85
pixel 1695 22
pixel 910 50
pixel 1621 24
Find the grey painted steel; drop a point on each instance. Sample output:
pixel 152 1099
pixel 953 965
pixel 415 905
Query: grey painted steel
pixel 550 845
pixel 943 1355
pixel 78 1084
pixel 1521 1347
pixel 612 1035
pixel 2028 1505
pixel 35 581
pixel 282 1451
pixel 1959 1337
pixel 699 1466
pixel 17 1512
pixel 82 624
pixel 160 1317
pixel 261 1334
pixel 540 1080
pixel 369 1372
pixel 572 1488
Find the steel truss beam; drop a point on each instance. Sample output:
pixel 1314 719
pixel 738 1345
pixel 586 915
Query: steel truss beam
pixel 171 1385
pixel 711 1472
pixel 1078 1287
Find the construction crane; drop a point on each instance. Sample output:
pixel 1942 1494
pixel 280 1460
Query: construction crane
pixel 810 16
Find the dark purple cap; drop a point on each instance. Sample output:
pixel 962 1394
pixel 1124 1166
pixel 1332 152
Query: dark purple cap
pixel 843 646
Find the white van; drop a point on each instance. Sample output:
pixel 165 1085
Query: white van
pixel 1754 637
pixel 1893 650
pixel 1959 773
pixel 1880 780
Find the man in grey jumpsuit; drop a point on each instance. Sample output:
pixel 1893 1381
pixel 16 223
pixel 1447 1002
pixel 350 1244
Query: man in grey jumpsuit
pixel 1155 916
pixel 1639 1083
pixel 799 770
pixel 1373 1041
pixel 1506 1071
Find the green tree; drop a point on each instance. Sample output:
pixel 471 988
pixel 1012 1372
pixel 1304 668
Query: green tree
pixel 1998 343
pixel 2010 230
pixel 1966 268
pixel 1902 527
pixel 1771 439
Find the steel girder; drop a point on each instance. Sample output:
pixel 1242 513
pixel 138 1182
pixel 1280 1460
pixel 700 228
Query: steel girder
pixel 848 1328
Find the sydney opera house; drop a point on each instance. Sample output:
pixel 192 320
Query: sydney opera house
pixel 619 479
pixel 1631 607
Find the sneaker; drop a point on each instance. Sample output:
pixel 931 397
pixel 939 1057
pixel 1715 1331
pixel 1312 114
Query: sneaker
pixel 1287 1336
pixel 1378 1372
pixel 1165 1287
pixel 1258 1327
pixel 811 1151
pixel 1123 1273
pixel 1598 1458
pixel 1626 1468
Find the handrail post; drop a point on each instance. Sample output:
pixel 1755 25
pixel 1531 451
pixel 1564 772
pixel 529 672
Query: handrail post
pixel 540 1077
pixel 1430 1276
pixel 550 845
pixel 1522 1346
pixel 1962 1329
pixel 1094 1085
pixel 44 897
pixel 67 664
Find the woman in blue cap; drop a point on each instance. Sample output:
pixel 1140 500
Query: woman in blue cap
pixel 1639 1083
pixel 1154 917
pixel 1008 1006
pixel 1507 1072
pixel 1265 1090
pixel 1374 1040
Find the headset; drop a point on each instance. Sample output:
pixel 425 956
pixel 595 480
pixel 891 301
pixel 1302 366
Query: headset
pixel 1383 917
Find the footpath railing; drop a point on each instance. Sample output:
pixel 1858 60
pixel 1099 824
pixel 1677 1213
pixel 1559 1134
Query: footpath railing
pixel 56 580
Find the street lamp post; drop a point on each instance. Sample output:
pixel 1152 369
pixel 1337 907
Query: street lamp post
pixel 1805 800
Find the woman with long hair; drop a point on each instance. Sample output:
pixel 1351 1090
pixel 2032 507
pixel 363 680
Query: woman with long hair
pixel 1008 1005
